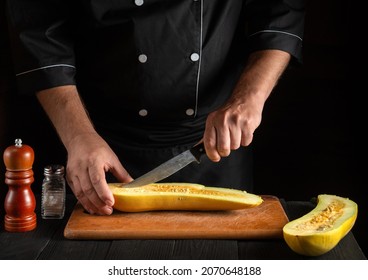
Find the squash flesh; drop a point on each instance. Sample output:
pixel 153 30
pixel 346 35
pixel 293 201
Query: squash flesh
pixel 320 230
pixel 180 196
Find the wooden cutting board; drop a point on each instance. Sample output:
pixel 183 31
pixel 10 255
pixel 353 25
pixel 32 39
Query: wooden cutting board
pixel 263 221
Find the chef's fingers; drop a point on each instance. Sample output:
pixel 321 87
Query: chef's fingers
pixel 235 133
pixel 223 139
pixel 247 137
pixel 210 144
pixel 97 190
pixel 247 131
pixel 75 185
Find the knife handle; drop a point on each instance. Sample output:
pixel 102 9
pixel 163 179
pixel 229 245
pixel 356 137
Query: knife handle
pixel 198 151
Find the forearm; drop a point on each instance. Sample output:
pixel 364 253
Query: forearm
pixel 261 74
pixel 66 111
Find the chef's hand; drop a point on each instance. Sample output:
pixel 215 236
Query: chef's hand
pixel 232 126
pixel 89 157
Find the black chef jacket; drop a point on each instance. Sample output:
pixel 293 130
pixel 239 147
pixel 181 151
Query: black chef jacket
pixel 149 71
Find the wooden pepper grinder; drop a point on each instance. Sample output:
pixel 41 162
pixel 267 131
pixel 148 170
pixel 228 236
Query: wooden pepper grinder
pixel 20 201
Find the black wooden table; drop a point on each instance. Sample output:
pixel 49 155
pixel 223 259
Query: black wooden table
pixel 47 242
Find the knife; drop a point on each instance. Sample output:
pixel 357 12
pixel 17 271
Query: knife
pixel 169 167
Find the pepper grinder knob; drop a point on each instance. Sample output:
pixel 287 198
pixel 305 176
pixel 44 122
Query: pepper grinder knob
pixel 20 201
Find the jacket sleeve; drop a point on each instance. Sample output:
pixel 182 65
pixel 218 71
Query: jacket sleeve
pixel 42 43
pixel 276 24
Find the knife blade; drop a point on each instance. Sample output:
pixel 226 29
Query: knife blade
pixel 169 167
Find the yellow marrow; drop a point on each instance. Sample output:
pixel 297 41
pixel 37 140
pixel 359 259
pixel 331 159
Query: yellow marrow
pixel 321 230
pixel 180 196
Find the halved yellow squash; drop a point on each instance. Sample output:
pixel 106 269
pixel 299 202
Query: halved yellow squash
pixel 180 196
pixel 321 230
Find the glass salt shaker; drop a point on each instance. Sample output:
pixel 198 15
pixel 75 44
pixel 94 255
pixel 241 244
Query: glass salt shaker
pixel 53 192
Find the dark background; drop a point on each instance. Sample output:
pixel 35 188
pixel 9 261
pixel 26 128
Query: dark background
pixel 311 138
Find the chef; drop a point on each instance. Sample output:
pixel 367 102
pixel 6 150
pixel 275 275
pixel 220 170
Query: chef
pixel 129 84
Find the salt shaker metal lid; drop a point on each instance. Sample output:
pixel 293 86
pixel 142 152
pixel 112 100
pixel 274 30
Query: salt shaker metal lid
pixel 54 169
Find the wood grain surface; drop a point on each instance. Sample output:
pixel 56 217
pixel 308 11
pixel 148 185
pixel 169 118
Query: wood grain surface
pixel 261 222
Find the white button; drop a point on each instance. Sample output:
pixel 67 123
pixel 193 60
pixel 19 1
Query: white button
pixel 139 2
pixel 142 58
pixel 189 112
pixel 194 57
pixel 143 112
